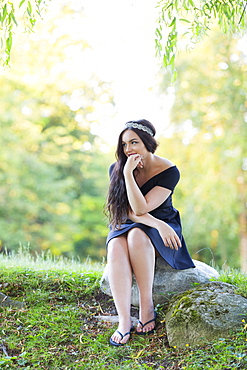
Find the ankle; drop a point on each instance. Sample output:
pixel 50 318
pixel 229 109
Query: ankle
pixel 123 321
pixel 146 305
pixel 146 311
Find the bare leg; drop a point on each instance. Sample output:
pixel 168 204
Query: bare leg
pixel 142 257
pixel 120 278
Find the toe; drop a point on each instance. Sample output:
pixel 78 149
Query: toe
pixel 148 328
pixel 139 328
pixel 116 338
pixel 125 339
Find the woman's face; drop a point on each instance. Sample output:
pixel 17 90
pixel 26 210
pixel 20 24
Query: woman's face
pixel 132 144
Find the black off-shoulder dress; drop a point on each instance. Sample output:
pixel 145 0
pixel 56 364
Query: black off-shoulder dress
pixel 178 259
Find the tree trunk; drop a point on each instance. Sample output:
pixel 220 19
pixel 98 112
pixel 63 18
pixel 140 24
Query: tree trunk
pixel 243 223
pixel 243 241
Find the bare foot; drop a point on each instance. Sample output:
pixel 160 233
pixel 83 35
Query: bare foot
pixel 147 321
pixel 120 338
pixel 121 335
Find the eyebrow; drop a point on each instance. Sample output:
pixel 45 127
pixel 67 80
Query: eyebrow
pixel 130 140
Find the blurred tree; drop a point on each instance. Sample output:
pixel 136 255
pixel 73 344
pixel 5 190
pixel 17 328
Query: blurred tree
pixel 52 171
pixel 12 13
pixel 209 119
pixel 177 20
pixel 188 21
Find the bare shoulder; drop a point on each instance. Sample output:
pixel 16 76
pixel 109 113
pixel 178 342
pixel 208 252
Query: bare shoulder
pixel 163 163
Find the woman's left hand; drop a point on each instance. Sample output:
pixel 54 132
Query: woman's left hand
pixel 169 236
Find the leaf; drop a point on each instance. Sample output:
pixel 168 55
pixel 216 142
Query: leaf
pixel 32 21
pixel 138 354
pixel 9 43
pixel 13 17
pixel 165 62
pixel 4 12
pixel 173 22
pixel 173 36
pixel 184 20
pixel 29 8
pixel 22 1
pixel 167 7
pixel 174 76
pixel 158 47
pixel 172 60
pixel 158 33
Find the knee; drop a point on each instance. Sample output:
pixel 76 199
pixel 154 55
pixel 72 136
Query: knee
pixel 115 250
pixel 137 238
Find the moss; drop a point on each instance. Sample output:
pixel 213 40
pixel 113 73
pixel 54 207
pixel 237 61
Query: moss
pixel 184 302
pixel 181 306
pixel 182 309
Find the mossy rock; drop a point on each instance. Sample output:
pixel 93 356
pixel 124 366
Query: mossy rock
pixel 204 314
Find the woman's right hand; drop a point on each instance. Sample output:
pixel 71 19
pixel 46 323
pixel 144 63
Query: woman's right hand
pixel 133 161
pixel 169 236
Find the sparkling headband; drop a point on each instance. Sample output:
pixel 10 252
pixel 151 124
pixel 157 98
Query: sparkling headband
pixel 139 127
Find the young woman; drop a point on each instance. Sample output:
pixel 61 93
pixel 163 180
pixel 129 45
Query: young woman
pixel 144 224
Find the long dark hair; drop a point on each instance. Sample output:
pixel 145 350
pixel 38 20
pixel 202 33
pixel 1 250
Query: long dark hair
pixel 118 207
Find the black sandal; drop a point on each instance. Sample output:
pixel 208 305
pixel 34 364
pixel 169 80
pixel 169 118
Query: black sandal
pixel 142 325
pixel 113 343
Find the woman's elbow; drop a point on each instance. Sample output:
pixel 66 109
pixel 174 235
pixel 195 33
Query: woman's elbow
pixel 140 213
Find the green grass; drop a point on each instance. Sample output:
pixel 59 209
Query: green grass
pixel 58 328
pixel 46 261
pixel 235 277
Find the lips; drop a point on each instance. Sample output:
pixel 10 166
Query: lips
pixel 131 154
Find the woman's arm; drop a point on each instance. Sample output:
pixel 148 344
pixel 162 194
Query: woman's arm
pixel 166 232
pixel 140 204
pixel 136 199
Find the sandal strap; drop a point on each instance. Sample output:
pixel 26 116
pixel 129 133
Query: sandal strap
pixel 148 322
pixel 123 335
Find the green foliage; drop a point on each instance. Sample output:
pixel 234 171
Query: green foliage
pixel 45 173
pixel 186 22
pixel 208 121
pixel 53 174
pixel 58 328
pixel 235 277
pixel 178 21
pixel 45 260
pixel 9 13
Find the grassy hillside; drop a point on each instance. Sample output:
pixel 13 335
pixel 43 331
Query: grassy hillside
pixel 58 328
